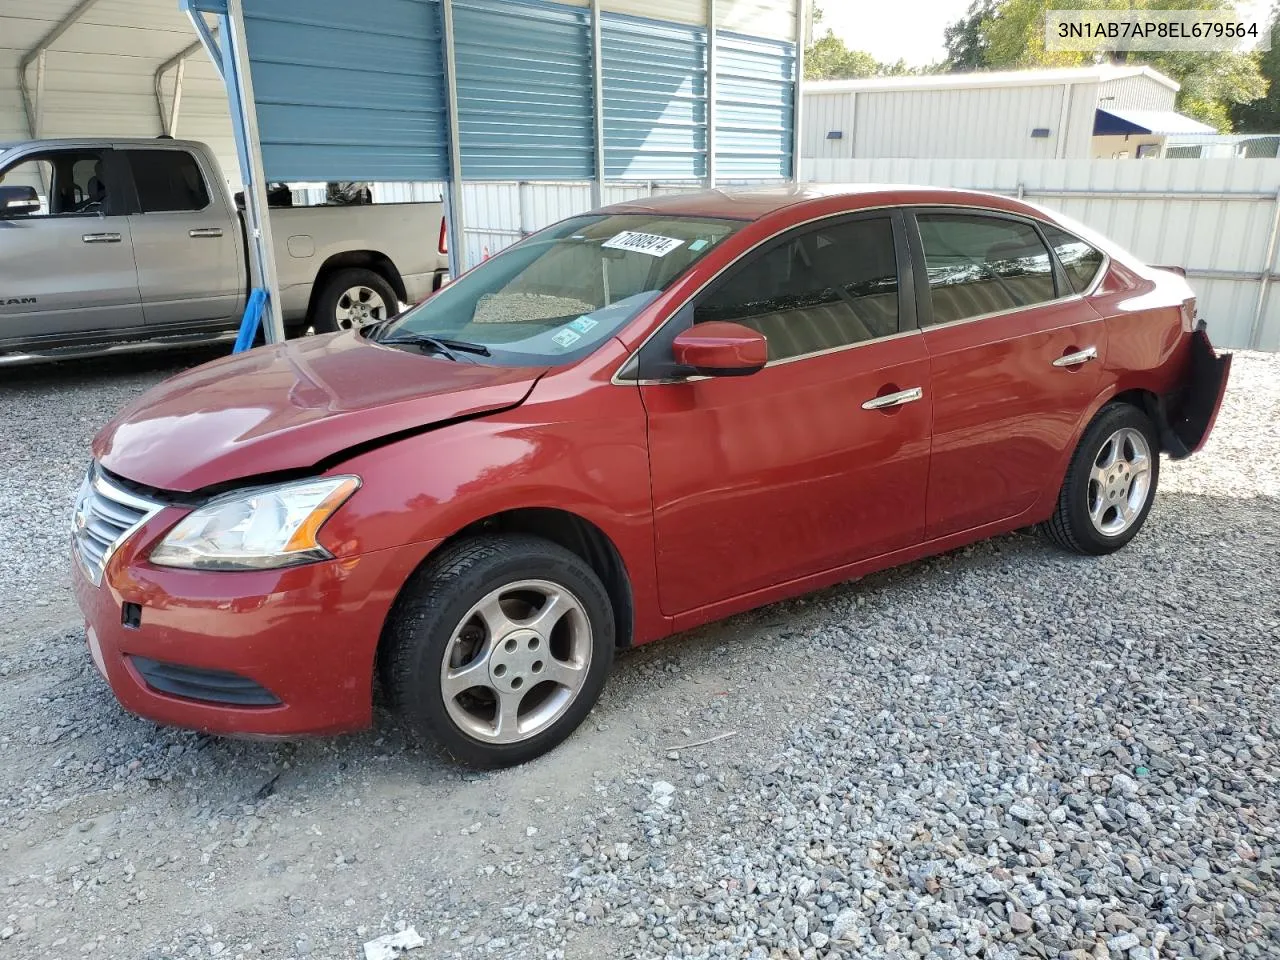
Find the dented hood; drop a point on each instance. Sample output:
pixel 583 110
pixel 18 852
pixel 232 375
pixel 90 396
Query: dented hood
pixel 293 405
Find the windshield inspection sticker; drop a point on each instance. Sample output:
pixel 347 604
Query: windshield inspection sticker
pixel 653 244
pixel 583 324
pixel 697 245
pixel 566 338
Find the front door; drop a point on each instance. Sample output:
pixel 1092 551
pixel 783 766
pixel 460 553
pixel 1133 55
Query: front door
pixel 1000 320
pixel 803 466
pixel 67 268
pixel 190 268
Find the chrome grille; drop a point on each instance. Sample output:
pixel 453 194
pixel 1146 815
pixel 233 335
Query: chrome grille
pixel 105 516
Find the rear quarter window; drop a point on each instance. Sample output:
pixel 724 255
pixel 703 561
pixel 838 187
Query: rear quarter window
pixel 1080 260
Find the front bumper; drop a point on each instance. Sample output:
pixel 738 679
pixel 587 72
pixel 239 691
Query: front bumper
pixel 307 636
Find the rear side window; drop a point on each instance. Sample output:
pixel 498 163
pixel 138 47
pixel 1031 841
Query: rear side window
pixel 167 181
pixel 1078 259
pixel 979 265
pixel 819 289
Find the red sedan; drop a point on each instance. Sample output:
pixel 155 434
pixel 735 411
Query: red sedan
pixel 633 422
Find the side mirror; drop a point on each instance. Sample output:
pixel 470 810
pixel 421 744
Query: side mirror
pixel 721 349
pixel 18 202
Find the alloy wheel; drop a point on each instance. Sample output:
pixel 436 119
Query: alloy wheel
pixel 358 306
pixel 1119 482
pixel 516 661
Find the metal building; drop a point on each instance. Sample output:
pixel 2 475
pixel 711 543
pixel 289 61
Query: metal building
pixel 1077 113
pixel 464 93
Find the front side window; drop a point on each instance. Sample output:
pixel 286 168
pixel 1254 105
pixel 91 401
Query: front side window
pixel 819 289
pixel 1080 261
pixel 556 296
pixel 68 182
pixel 167 181
pixel 979 265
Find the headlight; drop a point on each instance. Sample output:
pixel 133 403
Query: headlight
pixel 257 529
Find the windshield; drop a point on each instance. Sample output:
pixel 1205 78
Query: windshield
pixel 556 296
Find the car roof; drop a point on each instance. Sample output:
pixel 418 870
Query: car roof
pixel 754 203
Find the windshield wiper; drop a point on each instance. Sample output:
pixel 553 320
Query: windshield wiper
pixel 442 345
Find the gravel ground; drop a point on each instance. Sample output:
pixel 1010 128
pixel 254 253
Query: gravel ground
pixel 1002 752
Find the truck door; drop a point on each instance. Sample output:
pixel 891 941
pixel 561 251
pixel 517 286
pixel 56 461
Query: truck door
pixel 186 240
pixel 68 267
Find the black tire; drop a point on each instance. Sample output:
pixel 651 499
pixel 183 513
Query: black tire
pixel 432 606
pixel 324 312
pixel 1071 527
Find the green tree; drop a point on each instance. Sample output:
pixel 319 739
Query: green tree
pixel 829 59
pixel 966 41
pixel 1009 34
pixel 1263 114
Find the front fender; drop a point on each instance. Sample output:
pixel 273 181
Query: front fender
pixel 582 453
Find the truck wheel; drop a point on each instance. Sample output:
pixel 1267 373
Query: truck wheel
pixel 498 648
pixel 352 298
pixel 1110 485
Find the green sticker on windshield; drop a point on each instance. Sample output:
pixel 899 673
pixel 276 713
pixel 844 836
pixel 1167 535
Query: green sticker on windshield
pixel 696 245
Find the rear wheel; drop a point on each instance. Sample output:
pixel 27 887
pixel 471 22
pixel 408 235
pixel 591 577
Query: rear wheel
pixel 353 298
pixel 1110 485
pixel 499 648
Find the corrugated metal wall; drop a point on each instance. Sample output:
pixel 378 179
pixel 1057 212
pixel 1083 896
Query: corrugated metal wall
pixel 978 122
pixel 961 122
pixel 499 214
pixel 348 92
pixel 655 98
pixel 755 87
pixel 824 113
pixel 1204 235
pixel 524 89
pixel 1136 93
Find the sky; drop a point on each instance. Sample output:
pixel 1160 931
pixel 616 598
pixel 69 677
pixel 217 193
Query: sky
pixel 914 31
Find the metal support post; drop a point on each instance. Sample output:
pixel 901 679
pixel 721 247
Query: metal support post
pixel 177 63
pixel 453 193
pixel 597 105
pixel 711 93
pixel 233 55
pixel 1259 311
pixel 796 101
pixel 29 104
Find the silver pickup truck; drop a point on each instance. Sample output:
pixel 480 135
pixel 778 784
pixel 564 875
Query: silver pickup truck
pixel 128 244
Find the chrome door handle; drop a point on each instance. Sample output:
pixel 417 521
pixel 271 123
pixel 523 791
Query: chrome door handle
pixel 101 238
pixel 894 399
pixel 1080 356
pixel 205 232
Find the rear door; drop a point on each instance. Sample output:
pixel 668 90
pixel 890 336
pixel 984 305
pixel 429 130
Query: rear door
pixel 190 269
pixel 67 269
pixel 1014 355
pixel 816 461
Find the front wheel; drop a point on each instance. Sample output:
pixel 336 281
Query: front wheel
pixel 1110 485
pixel 499 648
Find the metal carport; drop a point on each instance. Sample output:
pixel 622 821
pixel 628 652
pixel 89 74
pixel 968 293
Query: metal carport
pixel 481 91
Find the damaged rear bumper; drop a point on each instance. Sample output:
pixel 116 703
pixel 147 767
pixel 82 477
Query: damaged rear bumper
pixel 1194 408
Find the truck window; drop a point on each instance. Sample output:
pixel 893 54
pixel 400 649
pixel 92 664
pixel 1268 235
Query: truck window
pixel 167 181
pixel 68 182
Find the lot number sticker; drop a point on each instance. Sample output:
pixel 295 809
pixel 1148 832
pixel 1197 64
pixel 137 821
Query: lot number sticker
pixel 655 245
